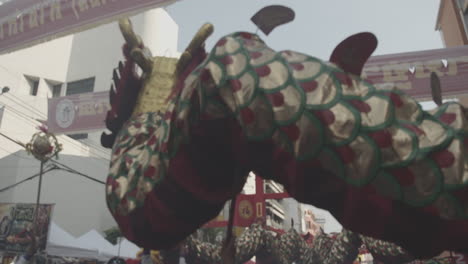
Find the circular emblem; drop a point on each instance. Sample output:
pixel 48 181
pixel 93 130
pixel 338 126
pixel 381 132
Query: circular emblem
pixel 65 113
pixel 245 209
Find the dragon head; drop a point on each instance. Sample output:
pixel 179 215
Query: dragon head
pixel 160 74
pixel 134 94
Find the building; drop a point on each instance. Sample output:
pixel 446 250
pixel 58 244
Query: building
pixel 275 210
pixel 279 213
pixel 452 22
pixel 75 64
pixel 314 218
pixel 312 224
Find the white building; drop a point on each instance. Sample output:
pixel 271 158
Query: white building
pixel 279 213
pixel 313 217
pixel 73 64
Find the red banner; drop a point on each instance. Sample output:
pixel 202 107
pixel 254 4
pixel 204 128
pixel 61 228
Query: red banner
pixel 249 207
pixel 78 113
pixel 28 22
pixel 410 72
pixel 246 210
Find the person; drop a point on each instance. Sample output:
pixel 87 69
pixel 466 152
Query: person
pixel 5 225
pixel 146 257
pixel 115 260
pixel 28 256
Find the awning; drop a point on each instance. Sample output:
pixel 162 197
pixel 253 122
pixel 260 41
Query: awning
pixel 28 22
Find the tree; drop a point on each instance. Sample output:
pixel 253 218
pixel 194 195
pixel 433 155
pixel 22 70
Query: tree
pixel 112 235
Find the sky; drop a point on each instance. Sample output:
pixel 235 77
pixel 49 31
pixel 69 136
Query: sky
pixel 319 25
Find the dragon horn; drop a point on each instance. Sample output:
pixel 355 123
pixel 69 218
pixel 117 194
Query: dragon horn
pixel 203 33
pixel 136 45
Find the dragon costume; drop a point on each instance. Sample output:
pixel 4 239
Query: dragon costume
pixel 291 247
pixel 186 133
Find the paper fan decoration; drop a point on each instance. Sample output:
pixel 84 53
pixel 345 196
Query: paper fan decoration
pixel 268 18
pixel 435 89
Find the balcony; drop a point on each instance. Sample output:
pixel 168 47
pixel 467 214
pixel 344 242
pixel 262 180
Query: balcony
pixel 273 187
pixel 275 207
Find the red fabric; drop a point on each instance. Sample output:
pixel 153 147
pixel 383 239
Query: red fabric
pixel 207 168
pixel 362 210
pixel 245 213
pixel 197 172
pixel 132 261
pixel 160 223
pixel 209 171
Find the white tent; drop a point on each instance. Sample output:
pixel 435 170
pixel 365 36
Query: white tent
pixel 127 248
pixel 58 235
pixel 94 240
pixel 89 245
pixel 429 105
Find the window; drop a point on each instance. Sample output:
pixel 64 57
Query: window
pixel 34 86
pixel 80 86
pixel 57 90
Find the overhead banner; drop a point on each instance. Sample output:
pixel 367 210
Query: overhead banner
pixel 409 72
pixel 248 209
pixel 17 222
pixel 27 22
pixel 78 113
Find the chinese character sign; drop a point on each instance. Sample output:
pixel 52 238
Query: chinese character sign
pixel 410 72
pixel 77 113
pixel 28 22
pixel 16 226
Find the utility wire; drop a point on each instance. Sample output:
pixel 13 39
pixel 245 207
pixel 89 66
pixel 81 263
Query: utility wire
pixel 84 175
pixel 67 168
pixel 27 118
pixel 34 110
pixel 50 168
pixel 34 121
pixel 99 151
pixel 14 154
pixel 71 170
pixel 12 140
pixel 24 105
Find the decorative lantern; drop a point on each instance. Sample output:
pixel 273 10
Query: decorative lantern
pixel 43 145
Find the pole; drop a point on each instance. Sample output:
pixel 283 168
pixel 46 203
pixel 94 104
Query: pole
pixel 38 200
pixel 228 250
pixel 260 198
pixel 120 243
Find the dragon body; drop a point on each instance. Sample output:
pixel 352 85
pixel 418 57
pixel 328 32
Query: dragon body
pixel 373 158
